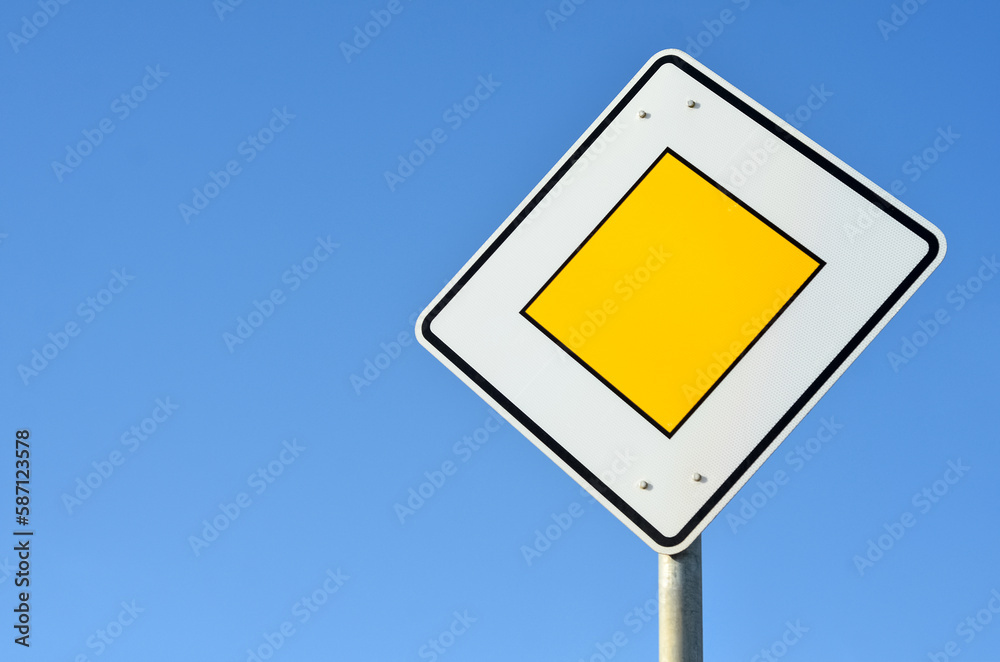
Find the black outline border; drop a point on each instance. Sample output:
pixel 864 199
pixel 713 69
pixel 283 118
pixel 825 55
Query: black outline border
pixel 781 233
pixel 933 248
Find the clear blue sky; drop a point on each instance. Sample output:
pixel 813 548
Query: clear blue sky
pixel 295 229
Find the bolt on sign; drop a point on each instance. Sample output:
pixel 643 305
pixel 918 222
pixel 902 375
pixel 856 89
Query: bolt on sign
pixel 679 287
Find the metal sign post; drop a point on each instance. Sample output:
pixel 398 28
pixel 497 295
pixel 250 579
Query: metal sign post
pixel 680 605
pixel 672 299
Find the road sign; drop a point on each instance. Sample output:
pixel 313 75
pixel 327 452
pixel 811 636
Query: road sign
pixel 675 296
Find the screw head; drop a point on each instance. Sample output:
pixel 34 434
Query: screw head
pixel 691 103
pixel 643 114
pixel 696 477
pixel 643 485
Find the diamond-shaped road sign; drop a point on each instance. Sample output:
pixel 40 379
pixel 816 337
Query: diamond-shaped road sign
pixel 675 296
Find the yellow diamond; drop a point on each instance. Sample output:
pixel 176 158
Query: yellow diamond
pixel 670 290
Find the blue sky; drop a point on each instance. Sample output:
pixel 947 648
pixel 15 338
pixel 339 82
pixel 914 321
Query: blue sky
pixel 257 118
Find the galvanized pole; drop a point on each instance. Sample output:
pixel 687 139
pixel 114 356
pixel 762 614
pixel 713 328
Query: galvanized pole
pixel 680 605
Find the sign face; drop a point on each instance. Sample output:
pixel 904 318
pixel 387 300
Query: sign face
pixel 675 296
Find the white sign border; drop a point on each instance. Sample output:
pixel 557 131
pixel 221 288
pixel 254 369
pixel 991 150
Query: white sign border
pixel 775 125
